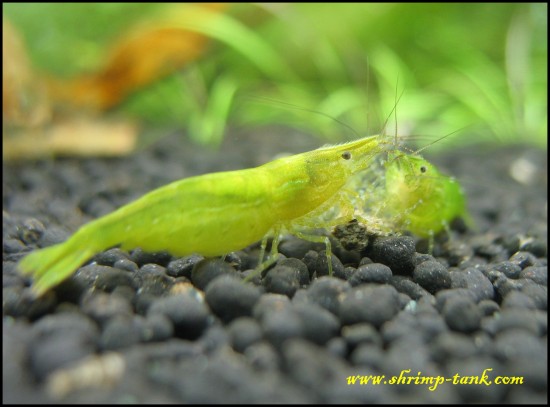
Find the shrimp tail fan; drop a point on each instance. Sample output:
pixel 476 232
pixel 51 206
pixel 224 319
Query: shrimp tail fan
pixel 52 265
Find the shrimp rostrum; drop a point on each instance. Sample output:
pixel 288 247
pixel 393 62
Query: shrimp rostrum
pixel 214 214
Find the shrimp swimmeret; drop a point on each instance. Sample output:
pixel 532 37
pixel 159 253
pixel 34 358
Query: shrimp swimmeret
pixel 214 214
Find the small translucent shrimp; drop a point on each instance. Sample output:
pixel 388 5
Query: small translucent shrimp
pixel 217 213
pixel 419 198
pixel 402 193
pixel 407 193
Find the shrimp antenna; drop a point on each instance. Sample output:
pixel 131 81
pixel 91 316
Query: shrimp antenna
pixel 396 100
pixel 438 140
pixel 305 109
pixel 368 99
pixel 393 110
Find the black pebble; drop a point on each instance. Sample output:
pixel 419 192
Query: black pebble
pixel 152 279
pixel 422 257
pixel 328 293
pixel 292 247
pixel 538 247
pixel 279 326
pixel 369 303
pixel 309 365
pixel 337 346
pixel 371 273
pixel 140 257
pixel 111 278
pixel 310 260
pixel 445 295
pixel 405 285
pixel 491 251
pixel 242 260
pixel 102 307
pixel 263 357
pixel 120 332
pixel 87 276
pixel 282 280
pixel 475 281
pixel 59 340
pixel 538 293
pixel 252 276
pixel 452 345
pixel 410 351
pixel 156 327
pixel 517 319
pixel 488 307
pixel 430 324
pixel 298 265
pixel 214 339
pixel 110 257
pixel 524 259
pixel 504 285
pixel 229 297
pixel 462 314
pixel 53 235
pixel 189 316
pixel 402 326
pixel 535 380
pixel 398 253
pixel 207 270
pixel 21 302
pixel 318 324
pixel 321 266
pixel 369 355
pixel 509 269
pixel 365 260
pixel 183 267
pixel 538 274
pixel 13 246
pixel 10 275
pixel 362 333
pixel 31 230
pixel 517 299
pixel 244 332
pixel 270 302
pixel 516 345
pixel 510 242
pixel 457 252
pixel 474 366
pixel 432 276
pixel 126 265
pixel 348 272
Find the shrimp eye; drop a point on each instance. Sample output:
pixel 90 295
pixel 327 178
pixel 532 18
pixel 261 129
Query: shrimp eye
pixel 423 169
pixel 346 155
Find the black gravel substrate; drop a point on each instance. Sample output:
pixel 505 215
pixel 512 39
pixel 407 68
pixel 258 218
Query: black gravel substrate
pixel 149 328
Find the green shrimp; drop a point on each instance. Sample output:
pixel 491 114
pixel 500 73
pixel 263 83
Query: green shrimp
pixel 416 197
pixel 420 199
pixel 403 193
pixel 214 214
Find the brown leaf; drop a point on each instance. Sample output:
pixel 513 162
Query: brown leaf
pixel 24 101
pixel 141 56
pixel 70 137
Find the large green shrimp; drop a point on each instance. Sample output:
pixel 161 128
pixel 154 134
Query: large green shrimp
pixel 217 213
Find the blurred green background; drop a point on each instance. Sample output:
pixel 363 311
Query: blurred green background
pixel 477 67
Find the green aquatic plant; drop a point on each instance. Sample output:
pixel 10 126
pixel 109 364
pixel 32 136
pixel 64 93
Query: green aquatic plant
pixel 481 65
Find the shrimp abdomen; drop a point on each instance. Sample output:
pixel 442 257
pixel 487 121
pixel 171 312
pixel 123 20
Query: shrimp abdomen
pixel 211 214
